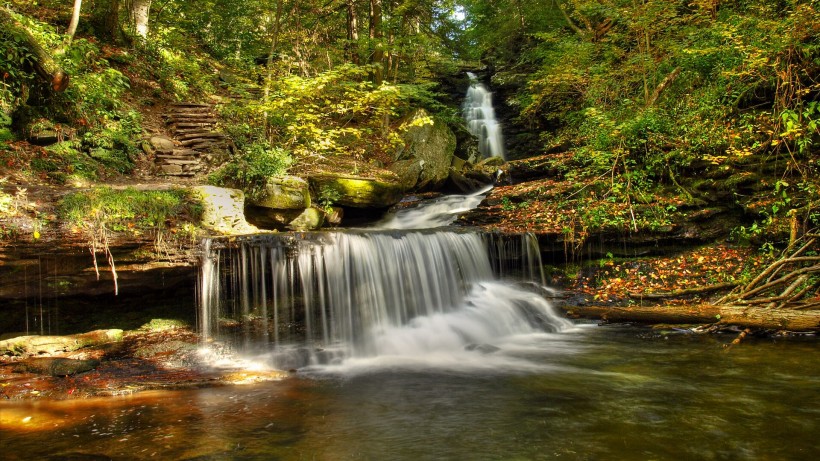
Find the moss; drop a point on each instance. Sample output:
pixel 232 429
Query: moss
pixel 163 324
pixel 128 209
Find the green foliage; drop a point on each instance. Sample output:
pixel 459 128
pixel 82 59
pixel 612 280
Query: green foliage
pixel 252 167
pixel 16 69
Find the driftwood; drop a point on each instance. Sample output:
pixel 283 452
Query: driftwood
pixel 44 63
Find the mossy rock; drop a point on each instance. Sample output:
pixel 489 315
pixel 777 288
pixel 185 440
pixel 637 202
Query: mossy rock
pixel 163 325
pixel 357 192
pixel 284 193
pixel 423 162
pixel 309 219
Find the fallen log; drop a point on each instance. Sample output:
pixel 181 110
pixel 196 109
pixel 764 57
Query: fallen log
pixel 44 64
pixel 742 316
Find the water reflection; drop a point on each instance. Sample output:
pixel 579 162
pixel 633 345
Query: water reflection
pixel 616 396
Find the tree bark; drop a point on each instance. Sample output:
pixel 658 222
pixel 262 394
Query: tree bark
pixel 75 20
pixel 44 64
pixel 111 21
pixel 138 14
pixel 352 32
pixel 747 317
pixel 375 31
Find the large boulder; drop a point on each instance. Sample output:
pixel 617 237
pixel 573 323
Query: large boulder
pixel 284 193
pixel 354 191
pixel 423 162
pixel 223 210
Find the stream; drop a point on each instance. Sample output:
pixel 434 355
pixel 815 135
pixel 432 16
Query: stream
pixel 414 340
pixel 589 393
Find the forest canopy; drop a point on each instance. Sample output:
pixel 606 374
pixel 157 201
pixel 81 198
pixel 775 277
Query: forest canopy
pixel 705 99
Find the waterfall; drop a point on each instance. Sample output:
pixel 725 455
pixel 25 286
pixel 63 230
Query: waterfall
pixel 479 116
pixel 321 297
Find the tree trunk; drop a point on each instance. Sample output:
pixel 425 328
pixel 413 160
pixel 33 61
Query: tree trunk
pixel 352 32
pixel 44 64
pixel 751 317
pixel 111 21
pixel 138 11
pixel 75 20
pixel 375 38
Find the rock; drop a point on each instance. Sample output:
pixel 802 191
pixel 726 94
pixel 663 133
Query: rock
pixel 55 366
pixel 32 345
pixel 482 348
pixel 425 159
pixel 223 210
pixel 267 218
pixel 310 219
pixel 352 191
pixel 285 193
pixel 162 144
pixel 334 215
pixel 490 162
pixel 466 144
pixel 464 183
pixel 171 169
pixel 163 325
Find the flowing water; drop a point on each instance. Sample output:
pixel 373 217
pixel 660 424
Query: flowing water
pixel 323 298
pixel 479 116
pixel 416 341
pixel 600 393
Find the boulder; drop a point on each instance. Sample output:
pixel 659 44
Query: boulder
pixel 35 345
pixel 423 162
pixel 161 144
pixel 357 192
pixel 309 219
pixel 223 210
pixel 284 193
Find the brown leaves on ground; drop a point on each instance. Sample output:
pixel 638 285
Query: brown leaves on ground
pixel 611 281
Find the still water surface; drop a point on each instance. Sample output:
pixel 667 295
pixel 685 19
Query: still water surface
pixel 595 393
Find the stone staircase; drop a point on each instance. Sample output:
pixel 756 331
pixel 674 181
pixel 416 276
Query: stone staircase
pixel 196 144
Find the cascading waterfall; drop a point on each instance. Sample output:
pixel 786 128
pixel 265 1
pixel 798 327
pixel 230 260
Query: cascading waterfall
pixel 479 115
pixel 327 296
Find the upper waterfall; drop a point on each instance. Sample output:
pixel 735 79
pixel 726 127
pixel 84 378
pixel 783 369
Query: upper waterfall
pixel 479 115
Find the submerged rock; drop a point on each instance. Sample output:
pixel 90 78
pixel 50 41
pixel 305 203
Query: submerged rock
pixel 482 348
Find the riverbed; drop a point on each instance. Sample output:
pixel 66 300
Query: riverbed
pixel 588 393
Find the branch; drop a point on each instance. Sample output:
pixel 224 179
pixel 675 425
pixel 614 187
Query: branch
pixel 662 86
pixel 44 63
pixel 572 25
pixel 684 292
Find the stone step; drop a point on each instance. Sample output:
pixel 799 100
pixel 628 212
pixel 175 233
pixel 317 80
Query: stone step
pixel 189 104
pixel 200 135
pixel 184 125
pixel 174 161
